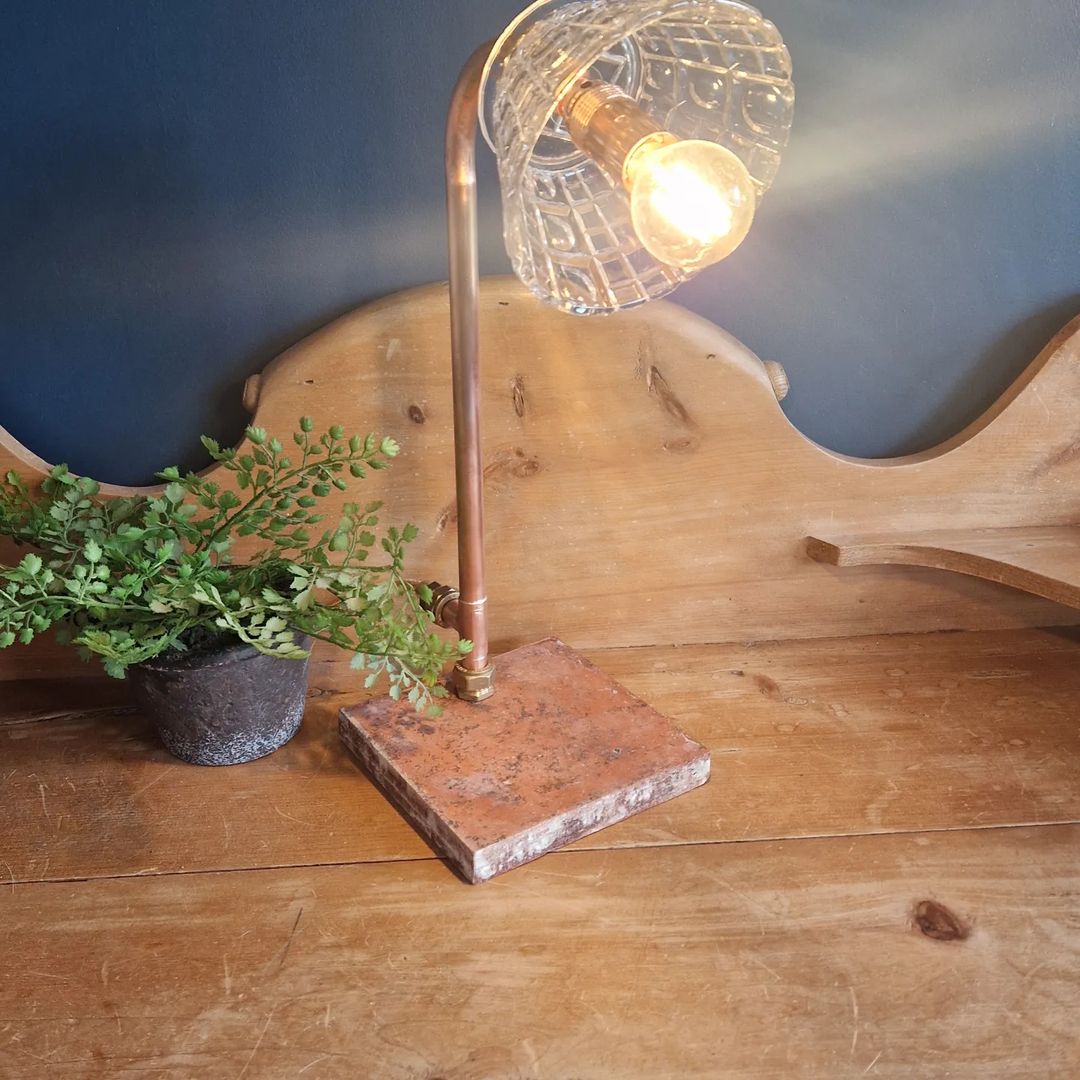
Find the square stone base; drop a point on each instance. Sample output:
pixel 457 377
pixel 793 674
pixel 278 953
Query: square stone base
pixel 558 752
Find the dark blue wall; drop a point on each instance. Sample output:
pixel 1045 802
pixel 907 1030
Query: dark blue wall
pixel 188 187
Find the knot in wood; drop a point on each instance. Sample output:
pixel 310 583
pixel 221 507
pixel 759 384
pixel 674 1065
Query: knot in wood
pixel 517 391
pixel 937 922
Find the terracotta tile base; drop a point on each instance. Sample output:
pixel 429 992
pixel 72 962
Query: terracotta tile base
pixel 558 752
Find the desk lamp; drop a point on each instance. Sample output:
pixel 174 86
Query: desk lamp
pixel 634 139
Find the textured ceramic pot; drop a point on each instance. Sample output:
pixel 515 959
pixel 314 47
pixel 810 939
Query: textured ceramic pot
pixel 222 707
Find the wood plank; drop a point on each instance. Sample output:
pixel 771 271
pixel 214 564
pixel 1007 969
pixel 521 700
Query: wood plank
pixel 808 738
pixel 1045 562
pixel 644 486
pixel 28 701
pixel 950 954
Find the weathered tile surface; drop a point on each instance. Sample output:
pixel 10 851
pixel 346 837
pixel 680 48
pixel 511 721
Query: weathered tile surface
pixel 560 751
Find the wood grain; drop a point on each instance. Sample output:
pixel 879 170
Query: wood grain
pixel 949 954
pixel 279 919
pixel 1044 561
pixel 644 486
pixel 875 734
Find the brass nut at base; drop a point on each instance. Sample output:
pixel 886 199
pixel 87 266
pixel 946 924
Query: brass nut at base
pixel 473 685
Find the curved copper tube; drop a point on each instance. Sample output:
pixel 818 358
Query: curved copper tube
pixel 472 675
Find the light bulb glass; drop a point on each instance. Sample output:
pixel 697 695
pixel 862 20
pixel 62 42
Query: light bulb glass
pixel 691 202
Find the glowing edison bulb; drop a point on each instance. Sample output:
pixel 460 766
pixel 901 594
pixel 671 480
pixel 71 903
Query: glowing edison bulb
pixel 692 202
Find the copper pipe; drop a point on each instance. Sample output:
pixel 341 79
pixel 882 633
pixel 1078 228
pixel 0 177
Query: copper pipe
pixel 472 675
pixel 625 126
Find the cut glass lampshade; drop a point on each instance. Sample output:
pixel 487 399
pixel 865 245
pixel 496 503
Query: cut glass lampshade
pixel 702 69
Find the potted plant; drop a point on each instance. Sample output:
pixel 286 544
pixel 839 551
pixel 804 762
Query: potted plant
pixel 217 645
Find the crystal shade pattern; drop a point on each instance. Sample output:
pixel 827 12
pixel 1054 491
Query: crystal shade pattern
pixel 703 69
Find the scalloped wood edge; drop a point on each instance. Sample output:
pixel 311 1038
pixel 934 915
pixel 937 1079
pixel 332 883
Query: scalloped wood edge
pixel 1045 562
pixel 644 486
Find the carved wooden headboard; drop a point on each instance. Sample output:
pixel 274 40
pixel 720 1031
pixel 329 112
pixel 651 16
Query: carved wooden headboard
pixel 644 486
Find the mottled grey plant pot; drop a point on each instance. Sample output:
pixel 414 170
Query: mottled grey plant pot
pixel 222 707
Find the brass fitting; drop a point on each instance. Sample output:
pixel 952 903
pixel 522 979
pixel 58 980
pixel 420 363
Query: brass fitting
pixel 469 684
pixel 472 685
pixel 443 605
pixel 610 127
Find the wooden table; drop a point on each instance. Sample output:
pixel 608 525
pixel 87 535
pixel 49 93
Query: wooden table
pixel 882 879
